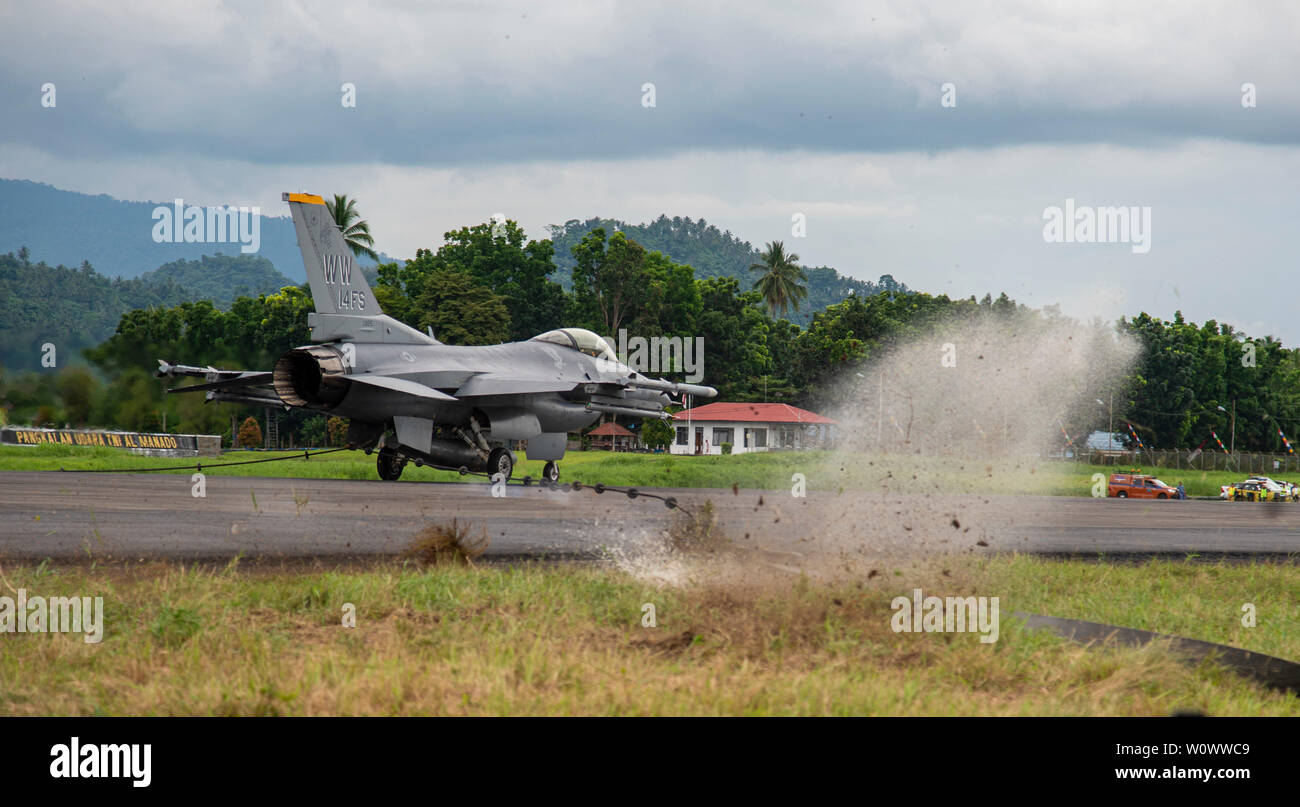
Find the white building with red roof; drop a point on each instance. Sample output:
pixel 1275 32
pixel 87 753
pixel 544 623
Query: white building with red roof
pixel 749 427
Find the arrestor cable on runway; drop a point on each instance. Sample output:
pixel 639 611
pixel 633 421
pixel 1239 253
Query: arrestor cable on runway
pixel 197 465
pixel 631 493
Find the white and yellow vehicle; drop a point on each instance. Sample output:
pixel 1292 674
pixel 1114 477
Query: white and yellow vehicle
pixel 1260 489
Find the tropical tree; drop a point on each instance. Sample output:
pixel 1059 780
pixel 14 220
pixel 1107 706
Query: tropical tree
pixel 77 388
pixel 337 429
pixel 250 433
pixel 356 231
pixel 500 257
pixel 734 328
pixel 611 284
pixel 656 433
pixel 781 278
pixel 460 310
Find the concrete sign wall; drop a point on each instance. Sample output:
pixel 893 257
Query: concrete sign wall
pixel 160 445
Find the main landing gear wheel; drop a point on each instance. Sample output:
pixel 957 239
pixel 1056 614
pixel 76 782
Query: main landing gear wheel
pixel 500 462
pixel 390 464
pixel 551 472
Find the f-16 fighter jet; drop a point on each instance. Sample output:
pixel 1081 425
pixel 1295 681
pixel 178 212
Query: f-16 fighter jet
pixel 415 399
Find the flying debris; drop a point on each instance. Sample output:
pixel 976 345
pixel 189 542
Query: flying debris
pixel 415 399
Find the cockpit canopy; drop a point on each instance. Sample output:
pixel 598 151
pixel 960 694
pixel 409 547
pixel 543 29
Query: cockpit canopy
pixel 579 339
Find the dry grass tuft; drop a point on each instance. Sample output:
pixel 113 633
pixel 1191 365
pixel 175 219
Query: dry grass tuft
pixel 698 531
pixel 448 544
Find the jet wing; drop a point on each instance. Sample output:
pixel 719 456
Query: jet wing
pixel 236 382
pixel 233 385
pixel 402 385
pixel 492 384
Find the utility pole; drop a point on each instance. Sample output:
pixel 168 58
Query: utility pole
pixel 690 432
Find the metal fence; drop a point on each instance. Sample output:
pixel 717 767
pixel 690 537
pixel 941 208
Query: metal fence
pixel 1186 459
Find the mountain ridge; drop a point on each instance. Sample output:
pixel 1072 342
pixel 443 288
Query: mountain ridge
pixel 117 236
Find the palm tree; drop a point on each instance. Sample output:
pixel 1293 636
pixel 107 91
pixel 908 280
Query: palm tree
pixel 356 231
pixel 779 284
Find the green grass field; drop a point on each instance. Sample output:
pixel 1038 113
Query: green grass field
pixel 539 640
pixel 824 470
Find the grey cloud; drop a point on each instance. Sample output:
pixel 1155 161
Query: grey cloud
pixel 456 90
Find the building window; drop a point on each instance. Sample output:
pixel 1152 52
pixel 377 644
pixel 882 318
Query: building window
pixel 760 438
pixel 682 433
pixel 721 436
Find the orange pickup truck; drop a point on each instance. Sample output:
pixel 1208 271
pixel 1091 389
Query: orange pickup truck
pixel 1139 486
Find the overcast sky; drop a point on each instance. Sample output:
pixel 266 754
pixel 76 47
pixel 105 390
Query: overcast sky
pixel 761 111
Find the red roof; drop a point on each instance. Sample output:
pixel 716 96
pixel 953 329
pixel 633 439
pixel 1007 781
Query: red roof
pixel 610 429
pixel 752 413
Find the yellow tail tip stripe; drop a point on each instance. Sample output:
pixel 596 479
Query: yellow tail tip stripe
pixel 306 198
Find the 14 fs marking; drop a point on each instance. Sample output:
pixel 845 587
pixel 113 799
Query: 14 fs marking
pixel 338 272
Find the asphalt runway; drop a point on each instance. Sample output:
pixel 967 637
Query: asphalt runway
pixel 154 516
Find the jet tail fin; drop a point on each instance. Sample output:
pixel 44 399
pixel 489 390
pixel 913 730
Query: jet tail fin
pixel 337 284
pixel 346 308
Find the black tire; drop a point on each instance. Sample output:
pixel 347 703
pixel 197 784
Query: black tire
pixel 1162 496
pixel 551 471
pixel 1121 495
pixel 390 465
pixel 500 462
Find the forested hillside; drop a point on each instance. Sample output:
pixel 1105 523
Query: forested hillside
pixel 74 309
pixel 69 308
pixel 712 253
pixel 221 278
pixel 65 227
pixel 116 237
